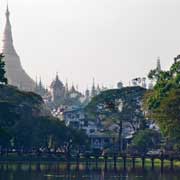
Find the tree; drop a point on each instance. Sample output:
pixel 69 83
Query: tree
pixel 3 79
pixel 25 120
pixel 146 140
pixel 163 103
pixel 118 106
pixel 4 138
pixel 120 85
pixel 107 105
pixel 46 132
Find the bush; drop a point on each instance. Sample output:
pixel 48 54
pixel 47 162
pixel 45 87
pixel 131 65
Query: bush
pixel 146 140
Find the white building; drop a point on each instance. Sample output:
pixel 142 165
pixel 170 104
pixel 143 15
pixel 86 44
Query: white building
pixel 15 73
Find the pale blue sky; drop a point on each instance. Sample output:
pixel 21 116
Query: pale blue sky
pixel 110 40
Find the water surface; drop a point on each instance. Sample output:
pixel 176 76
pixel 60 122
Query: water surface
pixel 60 172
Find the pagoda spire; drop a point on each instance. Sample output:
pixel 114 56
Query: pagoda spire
pixel 7 11
pixel 8 47
pixel 93 82
pixel 36 82
pixel 57 76
pixel 67 86
pixel 40 82
pixel 158 64
pixel 93 89
pixel 15 73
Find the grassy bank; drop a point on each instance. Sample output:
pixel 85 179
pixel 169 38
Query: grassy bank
pixel 91 161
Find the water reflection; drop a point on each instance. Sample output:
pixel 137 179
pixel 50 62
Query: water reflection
pixel 54 171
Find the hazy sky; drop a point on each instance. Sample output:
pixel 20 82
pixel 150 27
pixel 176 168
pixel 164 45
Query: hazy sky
pixel 111 40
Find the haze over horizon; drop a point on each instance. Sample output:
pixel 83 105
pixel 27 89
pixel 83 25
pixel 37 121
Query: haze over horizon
pixel 81 39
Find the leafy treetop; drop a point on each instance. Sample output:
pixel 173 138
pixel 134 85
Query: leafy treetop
pixel 163 102
pixel 118 104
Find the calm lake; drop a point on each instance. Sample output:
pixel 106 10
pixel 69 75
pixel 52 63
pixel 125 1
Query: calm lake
pixel 59 171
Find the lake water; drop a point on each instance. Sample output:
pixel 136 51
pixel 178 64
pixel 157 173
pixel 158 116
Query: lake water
pixel 60 172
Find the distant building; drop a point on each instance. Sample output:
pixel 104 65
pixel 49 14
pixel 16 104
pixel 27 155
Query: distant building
pixel 74 118
pixel 57 91
pixel 15 74
pixel 100 140
pixel 158 70
pixel 158 67
pixel 61 95
pixel 40 89
pixel 144 85
pixel 93 89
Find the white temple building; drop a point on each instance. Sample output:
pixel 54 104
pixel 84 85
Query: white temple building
pixel 15 73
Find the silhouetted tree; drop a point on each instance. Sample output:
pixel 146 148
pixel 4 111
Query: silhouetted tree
pixel 3 79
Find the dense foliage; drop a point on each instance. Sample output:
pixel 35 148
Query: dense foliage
pixel 3 79
pixel 26 123
pixel 146 140
pixel 44 132
pixel 119 104
pixel 163 102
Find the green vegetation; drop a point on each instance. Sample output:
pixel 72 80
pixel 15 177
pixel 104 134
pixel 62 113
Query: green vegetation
pixel 3 79
pixel 26 123
pixel 114 105
pixel 146 140
pixel 119 108
pixel 163 103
